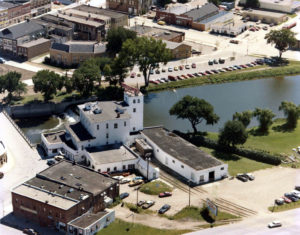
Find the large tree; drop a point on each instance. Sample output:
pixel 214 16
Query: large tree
pixel 48 83
pixel 195 110
pixel 116 37
pixel 233 133
pixel 282 38
pixel 292 112
pixel 147 53
pixel 11 82
pixel 216 2
pixel 86 76
pixel 264 117
pixel 243 117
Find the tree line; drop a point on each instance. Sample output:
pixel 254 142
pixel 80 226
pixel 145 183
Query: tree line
pixel 234 132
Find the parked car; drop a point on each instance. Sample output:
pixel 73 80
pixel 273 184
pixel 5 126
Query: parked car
pixel 179 78
pixel 57 2
pixel 181 67
pixel 164 209
pixel 274 224
pixel 292 197
pixel 154 82
pixel 297 187
pixel 135 182
pixel 1 175
pixel 59 158
pixel 151 71
pixel 124 181
pixel 30 231
pixel 1 61
pixel 215 61
pixel 250 65
pixel 163 70
pixel 165 194
pixel 175 68
pixel 148 204
pixel 208 72
pixel 132 75
pixel 210 62
pixel 190 75
pixel 170 69
pixel 51 162
pixel 185 77
pixel 162 80
pixel 241 177
pixel 140 203
pixel 157 71
pixel 172 78
pixel 123 195
pixel 249 176
pixel 187 66
pixel 279 201
pixel 193 65
pixel 286 200
pixel 296 193
pixel 221 61
pixel 138 178
pixel 265 28
pixel 118 177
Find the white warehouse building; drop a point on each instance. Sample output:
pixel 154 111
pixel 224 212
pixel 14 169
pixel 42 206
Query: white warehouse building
pixel 183 157
pixel 286 6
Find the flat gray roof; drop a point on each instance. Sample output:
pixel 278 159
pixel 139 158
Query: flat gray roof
pixel 109 111
pixel 181 149
pixel 99 11
pixel 87 219
pixel 264 13
pixel 79 132
pixel 110 155
pixel 34 42
pixel 77 176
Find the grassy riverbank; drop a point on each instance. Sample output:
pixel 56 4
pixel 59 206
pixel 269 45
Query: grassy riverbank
pixel 293 68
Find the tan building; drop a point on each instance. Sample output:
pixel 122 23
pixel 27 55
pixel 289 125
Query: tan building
pixel 265 16
pixel 34 48
pixel 179 50
pixel 73 53
pixel 132 7
pixel 39 7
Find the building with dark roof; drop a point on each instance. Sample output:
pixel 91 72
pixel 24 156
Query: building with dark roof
pixel 63 193
pixel 200 13
pixel 72 53
pixel 183 157
pixel 131 7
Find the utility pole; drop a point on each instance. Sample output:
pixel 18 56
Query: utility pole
pixel 148 158
pixel 137 195
pixel 189 194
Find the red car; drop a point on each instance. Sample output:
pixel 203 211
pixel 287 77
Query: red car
pixel 179 78
pixel 244 66
pixel 183 76
pixel 286 200
pixel 57 2
pixel 165 194
pixel 190 75
pixel 171 78
pixel 208 72
pixel 193 65
pixel 181 67
pixel 154 82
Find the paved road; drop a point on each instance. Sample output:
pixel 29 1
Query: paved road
pixel 23 163
pixel 258 226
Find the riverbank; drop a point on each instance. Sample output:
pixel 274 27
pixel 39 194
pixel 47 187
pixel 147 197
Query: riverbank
pixel 293 68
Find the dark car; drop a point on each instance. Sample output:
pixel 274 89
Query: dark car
pixel 30 231
pixel 221 61
pixel 279 201
pixel 1 61
pixel 165 194
pixel 140 203
pixel 51 162
pixel 241 177
pixel 1 175
pixel 124 195
pixel 215 61
pixel 292 197
pixel 164 208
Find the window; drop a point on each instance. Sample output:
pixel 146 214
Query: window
pixel 106 125
pixel 173 161
pixel 115 168
pixel 16 200
pixel 182 166
pixel 97 127
pixel 138 100
pixel 124 167
pixel 134 110
pixel 134 101
pixel 124 123
pixel 201 178
pixel 108 169
pixel 222 168
pixel 133 129
pixel 116 125
pixel 107 135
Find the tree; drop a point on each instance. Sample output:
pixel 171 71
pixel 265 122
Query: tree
pixel 119 69
pixel 48 83
pixel 264 116
pixel 292 112
pixel 11 82
pixel 163 3
pixel 233 133
pixel 85 76
pixel 116 37
pixel 147 53
pixel 195 110
pixel 252 3
pixel 282 38
pixel 216 2
pixel 243 117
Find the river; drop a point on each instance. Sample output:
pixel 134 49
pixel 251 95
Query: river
pixel 227 98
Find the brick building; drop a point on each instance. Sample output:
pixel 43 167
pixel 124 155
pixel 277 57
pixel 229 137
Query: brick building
pixel 39 7
pixel 179 50
pixel 132 7
pixel 34 48
pixel 62 193
pixel 18 12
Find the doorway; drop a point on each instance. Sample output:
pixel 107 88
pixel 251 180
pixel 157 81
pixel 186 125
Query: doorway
pixel 211 176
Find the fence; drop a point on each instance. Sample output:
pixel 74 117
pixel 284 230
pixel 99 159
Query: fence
pixel 18 129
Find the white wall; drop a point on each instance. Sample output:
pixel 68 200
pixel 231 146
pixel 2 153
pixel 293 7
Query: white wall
pixel 183 169
pixel 137 117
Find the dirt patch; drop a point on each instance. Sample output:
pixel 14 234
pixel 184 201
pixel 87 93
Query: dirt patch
pixel 4 69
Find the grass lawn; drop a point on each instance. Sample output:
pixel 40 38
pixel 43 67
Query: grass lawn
pixel 237 164
pixel 120 227
pixel 284 207
pixel 200 214
pixel 275 142
pixel 138 209
pixel 155 187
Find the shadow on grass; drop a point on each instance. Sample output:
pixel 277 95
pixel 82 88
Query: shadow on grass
pixel 258 132
pixel 225 156
pixel 206 216
pixel 283 128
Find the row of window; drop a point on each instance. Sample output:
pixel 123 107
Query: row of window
pixel 138 100
pixel 107 126
pixel 130 167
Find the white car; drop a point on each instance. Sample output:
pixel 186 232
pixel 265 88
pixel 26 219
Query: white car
pixel 296 193
pixel 170 69
pixel 119 177
pixel 274 224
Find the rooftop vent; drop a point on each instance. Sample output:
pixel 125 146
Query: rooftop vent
pixel 78 184
pixel 46 201
pixel 97 111
pixel 70 190
pixel 61 186
pixel 62 178
pixel 87 107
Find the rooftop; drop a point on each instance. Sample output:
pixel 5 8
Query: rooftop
pixel 157 33
pixel 77 176
pixel 181 149
pixel 81 20
pixel 279 2
pixel 214 17
pixel 44 197
pixel 99 11
pixel 264 13
pixel 35 42
pixel 104 111
pixel 79 132
pixel 199 13
pixel 7 5
pixel 80 47
pixel 2 148
pixel 20 30
pixel 87 219
pixel 77 12
pixel 178 8
pixel 110 155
